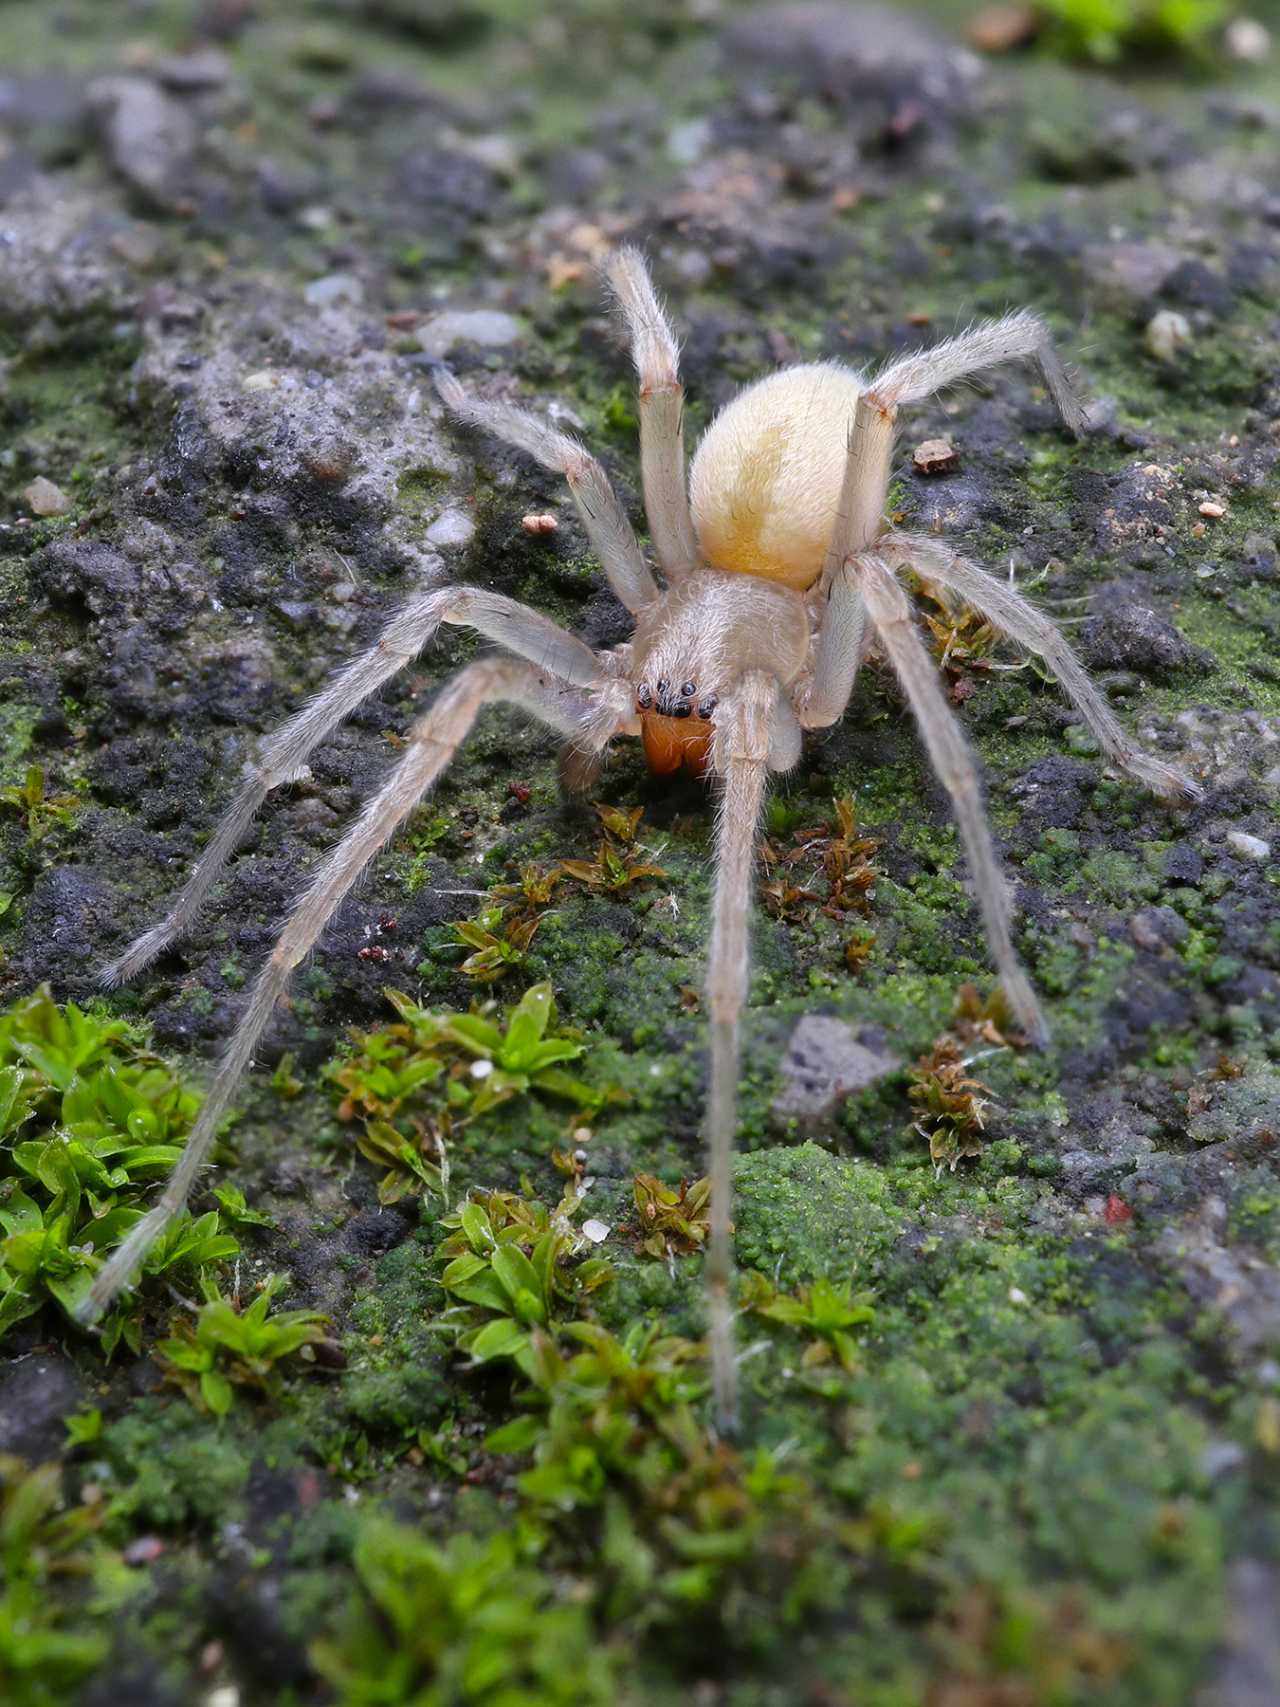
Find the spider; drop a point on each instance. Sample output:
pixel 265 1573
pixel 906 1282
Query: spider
pixel 779 571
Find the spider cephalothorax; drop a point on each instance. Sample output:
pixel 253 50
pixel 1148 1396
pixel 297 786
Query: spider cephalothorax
pixel 779 570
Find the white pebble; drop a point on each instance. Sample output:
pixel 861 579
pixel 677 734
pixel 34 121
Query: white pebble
pixel 1247 39
pixel 487 326
pixel 596 1231
pixel 1249 847
pixel 481 1069
pixel 451 527
pixel 334 287
pixel 1018 1296
pixel 43 498
pixel 1167 332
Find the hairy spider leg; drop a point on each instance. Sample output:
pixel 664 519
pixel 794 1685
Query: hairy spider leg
pixel 955 768
pixel 603 518
pixel 432 742
pixel 1017 617
pixel 283 755
pixel 662 467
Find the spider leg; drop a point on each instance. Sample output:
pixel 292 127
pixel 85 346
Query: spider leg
pixel 432 742
pixel 603 517
pixel 1003 605
pixel 865 487
pixel 860 512
pixel 656 357
pixel 283 754
pixel 822 697
pixel 741 759
pixel 949 754
pixel 1020 335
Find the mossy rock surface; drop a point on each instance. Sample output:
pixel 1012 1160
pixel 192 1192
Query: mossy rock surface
pixel 1038 1463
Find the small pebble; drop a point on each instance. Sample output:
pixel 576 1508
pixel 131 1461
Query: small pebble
pixel 1249 847
pixel 1247 39
pixel 202 68
pixel 999 29
pixel 596 1231
pixel 334 287
pixel 43 498
pixel 539 523
pixel 935 456
pixel 487 326
pixel 451 527
pixel 1017 1295
pixel 1167 332
pixel 1213 509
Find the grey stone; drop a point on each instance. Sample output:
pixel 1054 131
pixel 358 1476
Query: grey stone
pixel 36 1392
pixel 1132 636
pixel 1129 273
pixel 149 137
pixel 848 51
pixel 487 326
pixel 825 1063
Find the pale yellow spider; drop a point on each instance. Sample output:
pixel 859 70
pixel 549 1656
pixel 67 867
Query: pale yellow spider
pixel 779 570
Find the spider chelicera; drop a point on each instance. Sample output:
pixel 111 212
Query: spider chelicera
pixel 778 571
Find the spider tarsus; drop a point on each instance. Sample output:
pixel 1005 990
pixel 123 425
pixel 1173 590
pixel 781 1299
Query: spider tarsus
pixel 138 955
pixel 1166 781
pixel 118 1271
pixel 1026 1009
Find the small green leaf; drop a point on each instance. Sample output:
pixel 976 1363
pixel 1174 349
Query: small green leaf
pixel 217 1392
pixel 500 1338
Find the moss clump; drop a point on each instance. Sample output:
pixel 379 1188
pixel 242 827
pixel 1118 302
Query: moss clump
pixel 803 1214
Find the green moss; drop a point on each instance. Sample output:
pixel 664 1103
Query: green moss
pixel 803 1213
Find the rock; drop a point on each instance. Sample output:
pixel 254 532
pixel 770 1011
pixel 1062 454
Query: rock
pixel 86 571
pixel 1236 1282
pixel 1247 846
pixel 36 1393
pixel 1158 927
pixel 999 29
pixel 1127 273
pixel 935 456
pixel 334 287
pixel 1167 332
pixel 150 139
pixel 1248 40
pixel 823 1064
pixel 451 528
pixel 1183 865
pixel 487 326
pixel 1132 636
pixel 43 498
pixel 863 56
pixel 1246 1109
pixel 192 73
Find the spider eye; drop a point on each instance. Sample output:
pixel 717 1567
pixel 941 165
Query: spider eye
pixel 708 706
pixel 663 687
pixel 688 690
pixel 644 698
pixel 681 708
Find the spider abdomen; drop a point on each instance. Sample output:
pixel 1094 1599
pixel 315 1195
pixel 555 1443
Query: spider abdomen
pixel 766 476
